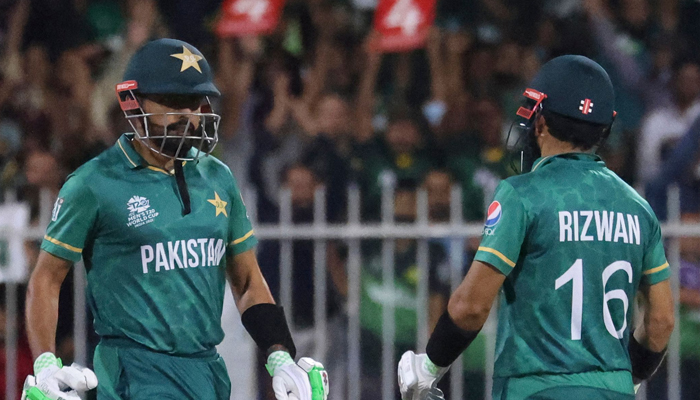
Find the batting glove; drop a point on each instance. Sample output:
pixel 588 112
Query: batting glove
pixel 418 375
pixel 53 381
pixel 305 380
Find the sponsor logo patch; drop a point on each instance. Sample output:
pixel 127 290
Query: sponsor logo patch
pixel 494 214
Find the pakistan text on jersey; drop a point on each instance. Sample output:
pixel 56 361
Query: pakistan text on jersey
pixel 602 226
pixel 190 253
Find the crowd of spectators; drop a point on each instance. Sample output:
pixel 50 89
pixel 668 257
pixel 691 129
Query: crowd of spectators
pixel 311 104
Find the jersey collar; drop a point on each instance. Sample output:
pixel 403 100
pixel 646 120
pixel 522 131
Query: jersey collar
pixel 590 157
pixel 131 157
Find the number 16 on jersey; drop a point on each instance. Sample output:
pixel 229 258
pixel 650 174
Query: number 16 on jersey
pixel 575 275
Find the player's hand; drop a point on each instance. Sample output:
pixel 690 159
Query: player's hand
pixel 417 375
pixel 305 380
pixel 55 382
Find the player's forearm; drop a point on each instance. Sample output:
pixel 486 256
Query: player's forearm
pixel 42 315
pixel 655 332
pixel 258 293
pixel 466 315
pixel 247 282
pixel 659 318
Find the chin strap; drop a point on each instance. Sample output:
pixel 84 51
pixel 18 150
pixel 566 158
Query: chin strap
pixel 182 187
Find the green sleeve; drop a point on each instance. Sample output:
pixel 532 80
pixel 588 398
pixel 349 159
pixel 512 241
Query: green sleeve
pixel 655 267
pixel 504 231
pixel 72 220
pixel 240 228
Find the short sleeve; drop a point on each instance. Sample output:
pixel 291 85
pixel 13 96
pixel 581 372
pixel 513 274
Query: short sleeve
pixel 72 220
pixel 655 267
pixel 240 228
pixel 504 230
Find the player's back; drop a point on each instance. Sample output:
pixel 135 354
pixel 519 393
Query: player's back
pixel 566 306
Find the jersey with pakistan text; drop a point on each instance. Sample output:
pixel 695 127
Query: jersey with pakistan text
pixel 155 276
pixel 575 242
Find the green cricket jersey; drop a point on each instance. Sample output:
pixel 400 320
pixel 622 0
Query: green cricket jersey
pixel 155 277
pixel 575 243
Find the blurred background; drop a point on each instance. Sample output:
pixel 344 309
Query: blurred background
pixel 398 149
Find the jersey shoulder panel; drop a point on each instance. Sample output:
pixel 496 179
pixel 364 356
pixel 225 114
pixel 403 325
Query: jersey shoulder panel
pixel 84 177
pixel 528 188
pixel 212 163
pixel 521 182
pixel 649 213
pixel 101 165
pixel 217 169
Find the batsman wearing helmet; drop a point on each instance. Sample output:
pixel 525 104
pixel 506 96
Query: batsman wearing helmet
pixel 569 246
pixel 160 225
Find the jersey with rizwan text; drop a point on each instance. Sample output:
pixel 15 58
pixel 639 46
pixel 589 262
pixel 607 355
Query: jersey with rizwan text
pixel 155 276
pixel 575 243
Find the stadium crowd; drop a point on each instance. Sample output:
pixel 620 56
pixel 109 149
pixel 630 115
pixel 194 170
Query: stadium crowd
pixel 312 105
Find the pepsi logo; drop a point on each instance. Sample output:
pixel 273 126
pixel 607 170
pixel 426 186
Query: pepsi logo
pixel 494 214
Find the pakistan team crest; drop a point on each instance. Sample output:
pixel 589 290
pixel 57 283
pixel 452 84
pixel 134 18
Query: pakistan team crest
pixel 140 212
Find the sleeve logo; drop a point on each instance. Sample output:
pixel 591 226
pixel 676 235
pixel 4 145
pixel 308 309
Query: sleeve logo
pixel 56 208
pixel 494 214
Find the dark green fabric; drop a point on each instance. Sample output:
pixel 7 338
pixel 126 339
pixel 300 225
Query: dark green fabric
pixel 577 392
pixel 138 374
pixel 154 276
pixel 595 385
pixel 529 241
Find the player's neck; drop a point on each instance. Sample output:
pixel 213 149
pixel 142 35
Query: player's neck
pixel 550 146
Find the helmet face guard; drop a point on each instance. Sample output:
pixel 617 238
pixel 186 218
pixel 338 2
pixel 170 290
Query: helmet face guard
pixel 525 146
pixel 172 140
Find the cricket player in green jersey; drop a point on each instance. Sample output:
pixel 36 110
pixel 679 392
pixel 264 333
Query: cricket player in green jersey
pixel 569 246
pixel 160 226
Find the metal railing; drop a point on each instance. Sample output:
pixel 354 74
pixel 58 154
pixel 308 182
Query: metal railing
pixel 352 233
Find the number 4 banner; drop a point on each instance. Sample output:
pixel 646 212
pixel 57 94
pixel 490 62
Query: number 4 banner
pixel 402 25
pixel 249 17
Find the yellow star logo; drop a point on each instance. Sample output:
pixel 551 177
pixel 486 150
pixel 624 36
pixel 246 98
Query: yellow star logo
pixel 219 204
pixel 188 59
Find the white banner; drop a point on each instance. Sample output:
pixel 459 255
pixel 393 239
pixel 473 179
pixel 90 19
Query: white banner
pixel 14 217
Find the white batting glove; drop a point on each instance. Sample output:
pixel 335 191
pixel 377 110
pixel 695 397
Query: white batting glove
pixel 417 375
pixel 53 381
pixel 305 380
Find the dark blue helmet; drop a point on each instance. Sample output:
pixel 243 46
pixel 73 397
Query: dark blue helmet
pixel 171 66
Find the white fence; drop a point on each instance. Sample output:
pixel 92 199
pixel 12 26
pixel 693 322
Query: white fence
pixel 352 233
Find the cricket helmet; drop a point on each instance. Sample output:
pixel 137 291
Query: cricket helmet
pixel 571 86
pixel 175 74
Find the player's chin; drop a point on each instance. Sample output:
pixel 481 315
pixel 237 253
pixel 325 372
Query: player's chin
pixel 174 147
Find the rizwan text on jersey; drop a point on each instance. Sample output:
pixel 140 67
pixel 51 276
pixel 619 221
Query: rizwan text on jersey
pixel 602 226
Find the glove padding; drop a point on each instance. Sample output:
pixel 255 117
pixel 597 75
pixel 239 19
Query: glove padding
pixel 56 383
pixel 305 380
pixel 417 375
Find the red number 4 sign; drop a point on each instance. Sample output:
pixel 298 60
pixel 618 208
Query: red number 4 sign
pixel 249 17
pixel 402 25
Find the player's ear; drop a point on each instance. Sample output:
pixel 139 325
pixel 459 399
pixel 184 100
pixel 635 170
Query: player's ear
pixel 540 125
